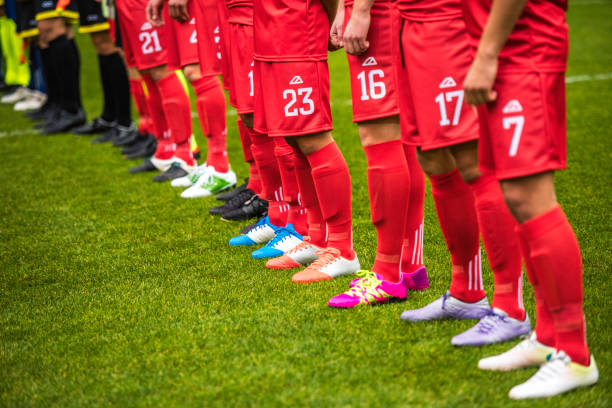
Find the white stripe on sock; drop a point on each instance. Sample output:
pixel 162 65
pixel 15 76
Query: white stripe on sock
pixel 415 245
pixel 470 275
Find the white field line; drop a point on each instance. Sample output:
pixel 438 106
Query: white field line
pixel 232 112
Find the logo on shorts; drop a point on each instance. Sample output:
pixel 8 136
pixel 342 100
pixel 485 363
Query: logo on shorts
pixel 192 21
pixel 369 61
pixel 296 80
pixel 512 107
pixel 146 26
pixel 447 82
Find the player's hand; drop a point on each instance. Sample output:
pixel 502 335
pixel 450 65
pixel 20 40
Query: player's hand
pixel 153 10
pixel 178 10
pixel 356 33
pixel 478 84
pixel 335 33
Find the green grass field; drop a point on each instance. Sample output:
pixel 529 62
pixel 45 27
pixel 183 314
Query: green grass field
pixel 114 291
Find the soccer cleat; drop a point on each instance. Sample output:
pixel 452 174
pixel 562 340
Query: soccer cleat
pixel 249 227
pixel 209 183
pixel 144 149
pixel 98 125
pixel 286 239
pixel 370 289
pixel 263 232
pixel 35 100
pixel 126 136
pixel 558 375
pixel 302 255
pixel 528 353
pixel 107 136
pixel 329 265
pixel 448 307
pixel 17 95
pixel 234 203
pixel 146 165
pixel 495 327
pixel 416 280
pixel 64 122
pixel 255 207
pixel 228 195
pixel 191 178
pixel 174 171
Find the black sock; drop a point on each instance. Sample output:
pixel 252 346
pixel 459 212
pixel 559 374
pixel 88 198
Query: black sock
pixel 109 110
pixel 77 55
pixel 121 89
pixel 66 66
pixel 50 75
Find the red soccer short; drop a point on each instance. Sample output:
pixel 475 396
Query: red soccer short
pixel 241 67
pixel 373 76
pixel 208 36
pixel 523 132
pixel 433 61
pixel 182 39
pixel 144 45
pixel 292 98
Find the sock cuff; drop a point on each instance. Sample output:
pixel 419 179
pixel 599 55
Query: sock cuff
pixel 327 154
pixel 385 154
pixel 204 84
pixel 543 223
pixel 281 148
pixel 449 183
pixel 58 40
pixel 168 80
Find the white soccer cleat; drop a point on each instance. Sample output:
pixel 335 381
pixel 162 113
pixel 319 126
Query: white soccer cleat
pixel 330 264
pixel 35 100
pixel 17 95
pixel 190 179
pixel 558 375
pixel 302 255
pixel 528 353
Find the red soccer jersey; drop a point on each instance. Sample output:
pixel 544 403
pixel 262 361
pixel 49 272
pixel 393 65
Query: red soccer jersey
pixel 240 11
pixel 429 10
pixel 290 30
pixel 539 41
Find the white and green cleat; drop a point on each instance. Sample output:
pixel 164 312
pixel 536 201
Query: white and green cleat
pixel 191 178
pixel 209 183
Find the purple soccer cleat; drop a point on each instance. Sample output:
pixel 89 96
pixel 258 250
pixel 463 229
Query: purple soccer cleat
pixel 495 327
pixel 448 307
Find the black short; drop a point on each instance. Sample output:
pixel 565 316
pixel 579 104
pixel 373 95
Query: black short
pixel 46 9
pixel 91 18
pixel 26 19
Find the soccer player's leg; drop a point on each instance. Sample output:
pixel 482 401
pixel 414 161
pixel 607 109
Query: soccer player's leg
pixel 524 138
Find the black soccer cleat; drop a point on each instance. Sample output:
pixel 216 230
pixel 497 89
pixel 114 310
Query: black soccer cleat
pixel 145 166
pixel 105 137
pixel 174 171
pixel 146 150
pixel 231 194
pixel 125 136
pixel 234 203
pixel 64 122
pixel 98 125
pixel 254 208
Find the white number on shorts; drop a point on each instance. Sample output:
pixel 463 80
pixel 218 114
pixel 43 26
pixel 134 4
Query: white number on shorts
pixel 449 96
pixel 518 122
pixel 251 81
pixel 194 37
pixel 150 42
pixel 377 88
pixel 292 94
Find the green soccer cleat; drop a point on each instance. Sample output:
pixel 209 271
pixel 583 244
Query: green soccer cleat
pixel 209 183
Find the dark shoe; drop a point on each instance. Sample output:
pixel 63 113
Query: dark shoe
pixel 249 227
pixel 126 136
pixel 64 122
pixel 138 144
pixel 43 113
pixel 174 171
pixel 254 208
pixel 230 194
pixel 98 125
pixel 234 203
pixel 105 137
pixel 145 166
pixel 147 150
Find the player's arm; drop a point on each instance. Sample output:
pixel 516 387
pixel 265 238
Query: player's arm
pixel 479 80
pixel 335 32
pixel 178 10
pixel 331 7
pixel 356 33
pixel 153 11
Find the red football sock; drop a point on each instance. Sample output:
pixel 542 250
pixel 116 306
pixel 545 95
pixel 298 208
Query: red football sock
pixel 389 193
pixel 555 256
pixel 317 228
pixel 544 327
pixel 497 227
pixel 457 215
pixel 155 108
pixel 296 214
pixel 178 115
pixel 412 245
pixel 140 100
pixel 210 104
pixel 254 181
pixel 333 183
pixel 263 152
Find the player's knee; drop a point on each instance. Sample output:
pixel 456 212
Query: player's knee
pixel 103 43
pixel 517 201
pixel 309 144
pixel 380 130
pixel 50 29
pixel 437 161
pixel 192 72
pixel 158 73
pixel 469 173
